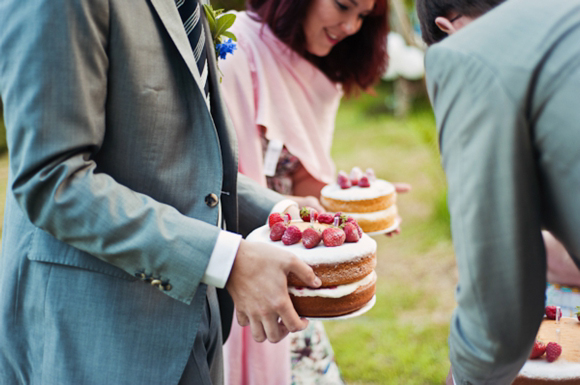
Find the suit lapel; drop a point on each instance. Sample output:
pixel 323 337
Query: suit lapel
pixel 170 18
pixel 219 111
pixel 226 133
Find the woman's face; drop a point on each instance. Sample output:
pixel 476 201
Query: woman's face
pixel 330 21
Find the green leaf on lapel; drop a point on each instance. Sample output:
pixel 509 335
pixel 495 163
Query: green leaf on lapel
pixel 230 35
pixel 209 14
pixel 223 23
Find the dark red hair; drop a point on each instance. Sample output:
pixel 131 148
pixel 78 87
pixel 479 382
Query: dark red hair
pixel 357 62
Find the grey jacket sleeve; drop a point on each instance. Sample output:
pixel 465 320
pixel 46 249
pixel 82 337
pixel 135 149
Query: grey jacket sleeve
pixel 54 84
pixel 493 197
pixel 254 204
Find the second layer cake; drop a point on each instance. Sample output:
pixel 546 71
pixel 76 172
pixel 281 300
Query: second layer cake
pixel 373 207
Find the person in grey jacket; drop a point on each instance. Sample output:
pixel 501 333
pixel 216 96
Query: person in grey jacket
pixel 124 201
pixel 504 87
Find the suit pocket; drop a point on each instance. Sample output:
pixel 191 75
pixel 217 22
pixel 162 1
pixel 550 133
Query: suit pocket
pixel 46 248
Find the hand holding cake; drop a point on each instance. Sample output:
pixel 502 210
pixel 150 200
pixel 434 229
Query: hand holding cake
pixel 258 287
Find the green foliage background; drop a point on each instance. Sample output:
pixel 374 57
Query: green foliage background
pixel 403 339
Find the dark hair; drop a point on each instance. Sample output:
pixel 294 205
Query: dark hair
pixel 429 10
pixel 357 62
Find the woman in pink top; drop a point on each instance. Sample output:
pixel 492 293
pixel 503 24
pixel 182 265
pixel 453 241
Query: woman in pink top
pixel 283 85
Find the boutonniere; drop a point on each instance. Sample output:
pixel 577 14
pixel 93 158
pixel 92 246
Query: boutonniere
pixel 219 23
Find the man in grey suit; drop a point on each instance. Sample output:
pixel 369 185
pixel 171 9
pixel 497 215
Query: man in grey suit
pixel 123 173
pixel 504 88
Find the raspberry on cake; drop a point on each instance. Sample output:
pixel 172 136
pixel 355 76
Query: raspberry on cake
pixel 371 202
pixel 345 269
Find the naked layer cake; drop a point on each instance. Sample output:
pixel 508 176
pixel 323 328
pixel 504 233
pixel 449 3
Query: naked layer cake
pixel 346 269
pixel 370 201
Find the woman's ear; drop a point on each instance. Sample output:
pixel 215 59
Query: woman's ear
pixel 445 25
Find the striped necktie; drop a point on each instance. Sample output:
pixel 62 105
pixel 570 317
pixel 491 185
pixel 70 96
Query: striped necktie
pixel 191 13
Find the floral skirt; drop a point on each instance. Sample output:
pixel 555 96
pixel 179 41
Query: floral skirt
pixel 312 357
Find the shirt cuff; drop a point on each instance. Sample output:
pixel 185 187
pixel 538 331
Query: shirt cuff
pixel 225 250
pixel 222 259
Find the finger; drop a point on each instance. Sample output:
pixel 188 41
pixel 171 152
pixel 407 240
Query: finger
pixel 243 320
pixel 283 329
pixel 402 188
pixel 258 333
pixel 319 208
pixel 291 320
pixel 303 272
pixel 395 231
pixel 315 204
pixel 294 211
pixel 274 332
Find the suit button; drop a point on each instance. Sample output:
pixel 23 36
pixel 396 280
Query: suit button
pixel 211 200
pixel 156 282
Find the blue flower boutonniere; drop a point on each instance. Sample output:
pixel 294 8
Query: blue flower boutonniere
pixel 222 49
pixel 219 23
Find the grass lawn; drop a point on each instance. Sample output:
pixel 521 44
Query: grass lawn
pixel 403 339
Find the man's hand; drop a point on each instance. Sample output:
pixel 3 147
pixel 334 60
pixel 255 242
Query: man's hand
pixel 258 286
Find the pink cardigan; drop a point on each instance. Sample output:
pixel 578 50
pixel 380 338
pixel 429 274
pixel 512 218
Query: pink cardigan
pixel 266 84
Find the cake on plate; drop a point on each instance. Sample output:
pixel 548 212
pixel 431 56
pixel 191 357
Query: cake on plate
pixel 344 259
pixel 370 201
pixel 565 370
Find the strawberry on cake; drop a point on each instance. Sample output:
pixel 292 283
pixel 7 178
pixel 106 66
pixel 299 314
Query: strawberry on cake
pixel 370 201
pixel 341 255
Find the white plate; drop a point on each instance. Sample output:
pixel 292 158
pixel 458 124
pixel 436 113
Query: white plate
pixel 394 227
pixel 360 311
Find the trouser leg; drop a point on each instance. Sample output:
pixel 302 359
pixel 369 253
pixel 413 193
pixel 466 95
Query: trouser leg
pixel 205 364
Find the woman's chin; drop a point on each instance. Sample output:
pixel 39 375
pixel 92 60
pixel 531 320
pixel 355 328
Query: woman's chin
pixel 320 51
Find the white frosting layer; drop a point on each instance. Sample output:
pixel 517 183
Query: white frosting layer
pixel 336 292
pixel 375 215
pixel 559 369
pixel 319 254
pixel 377 189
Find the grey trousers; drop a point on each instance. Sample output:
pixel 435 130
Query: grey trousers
pixel 206 362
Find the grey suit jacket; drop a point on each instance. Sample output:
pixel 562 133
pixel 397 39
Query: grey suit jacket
pixel 505 91
pixel 114 157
